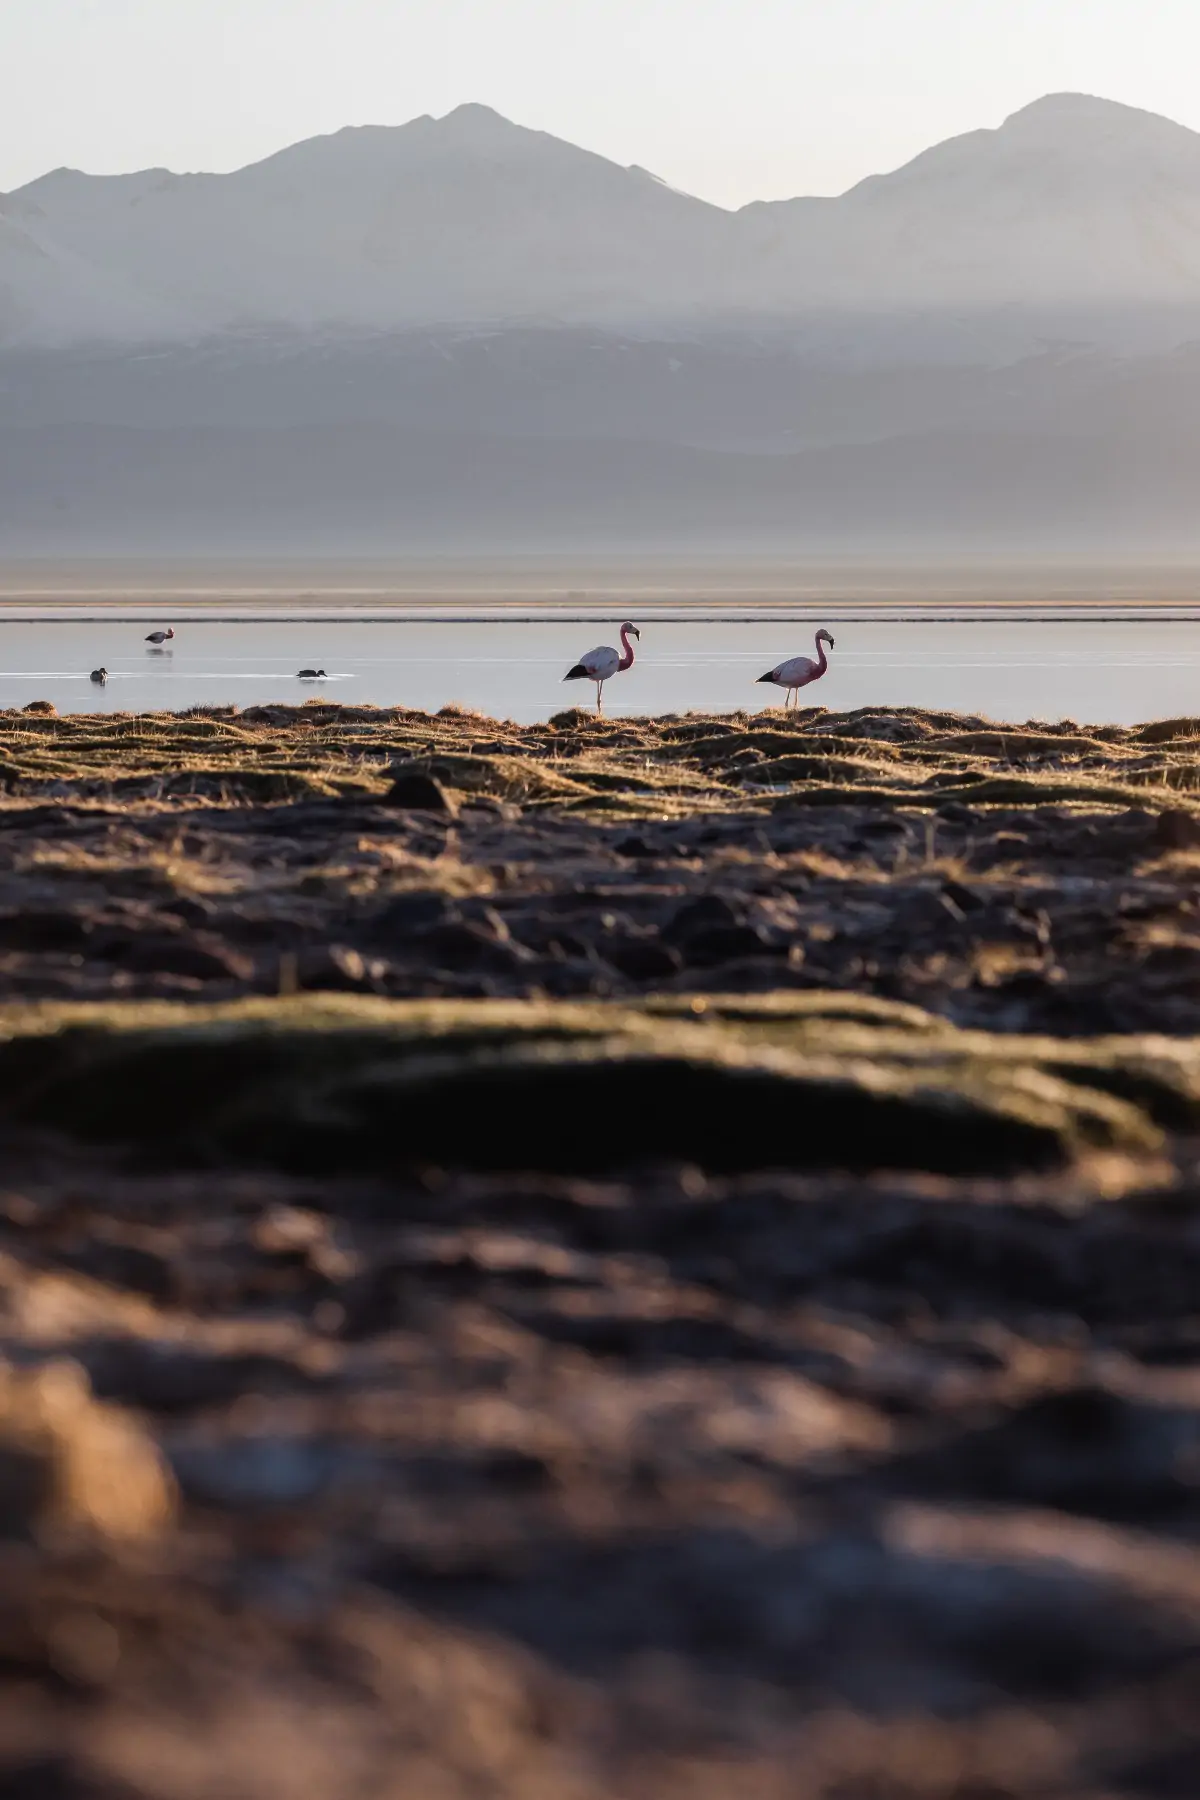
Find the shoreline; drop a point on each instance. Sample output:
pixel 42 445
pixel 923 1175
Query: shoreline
pixel 880 584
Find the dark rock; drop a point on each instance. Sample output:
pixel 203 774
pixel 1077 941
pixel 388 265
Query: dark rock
pixel 1085 1449
pixel 643 959
pixel 1026 921
pixel 465 944
pixel 202 957
pixel 1176 829
pixel 559 943
pixel 1005 847
pixel 337 968
pixel 51 818
pixel 419 792
pixel 189 909
pixel 45 929
pixel 302 818
pixel 711 946
pixel 264 929
pixel 756 974
pixel 570 978
pixel 961 898
pixel 478 912
pixel 55 1778
pixel 1172 961
pixel 1026 984
pixel 172 1378
pixel 710 912
pixel 122 1265
pixel 405 914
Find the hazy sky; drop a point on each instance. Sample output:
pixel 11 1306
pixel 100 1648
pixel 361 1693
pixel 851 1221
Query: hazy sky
pixel 730 99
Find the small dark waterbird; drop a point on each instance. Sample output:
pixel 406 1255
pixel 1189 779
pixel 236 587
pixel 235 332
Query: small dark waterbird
pixel 312 675
pixel 159 638
pixel 798 671
pixel 99 676
pixel 601 664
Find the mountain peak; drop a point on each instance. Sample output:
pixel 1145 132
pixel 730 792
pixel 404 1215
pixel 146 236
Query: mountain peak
pixel 1070 106
pixel 1067 116
pixel 474 123
pixel 474 112
pixel 1087 139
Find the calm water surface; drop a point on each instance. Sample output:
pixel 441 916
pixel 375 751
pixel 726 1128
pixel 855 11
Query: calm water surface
pixel 1114 673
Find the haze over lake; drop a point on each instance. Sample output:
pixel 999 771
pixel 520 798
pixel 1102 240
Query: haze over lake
pixel 462 335
pixel 1101 672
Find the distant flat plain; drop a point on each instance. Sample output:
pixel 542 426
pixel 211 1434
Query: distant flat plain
pixel 601 581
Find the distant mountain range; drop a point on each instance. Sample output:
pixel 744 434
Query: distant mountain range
pixel 998 339
pixel 1074 204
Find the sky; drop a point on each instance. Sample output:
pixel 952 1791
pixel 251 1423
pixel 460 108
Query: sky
pixel 733 100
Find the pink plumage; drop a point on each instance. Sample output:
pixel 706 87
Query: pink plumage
pixel 602 663
pixel 798 671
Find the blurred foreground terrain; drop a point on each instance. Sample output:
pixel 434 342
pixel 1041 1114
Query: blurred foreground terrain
pixel 602 1260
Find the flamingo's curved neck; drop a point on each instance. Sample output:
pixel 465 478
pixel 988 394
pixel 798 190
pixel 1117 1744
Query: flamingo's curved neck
pixel 626 661
pixel 822 664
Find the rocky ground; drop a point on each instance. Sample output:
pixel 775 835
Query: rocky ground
pixel 609 1259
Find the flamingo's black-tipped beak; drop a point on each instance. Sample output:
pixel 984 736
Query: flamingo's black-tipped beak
pixel 769 676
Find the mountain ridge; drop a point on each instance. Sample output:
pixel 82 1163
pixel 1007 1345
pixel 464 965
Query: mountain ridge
pixel 1065 106
pixel 1073 202
pixel 463 332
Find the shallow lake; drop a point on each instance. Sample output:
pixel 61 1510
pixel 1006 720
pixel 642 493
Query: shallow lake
pixel 1099 672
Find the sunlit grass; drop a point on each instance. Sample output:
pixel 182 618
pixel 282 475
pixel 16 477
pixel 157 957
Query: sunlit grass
pixel 914 761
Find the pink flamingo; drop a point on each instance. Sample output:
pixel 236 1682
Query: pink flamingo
pixel 601 664
pixel 798 671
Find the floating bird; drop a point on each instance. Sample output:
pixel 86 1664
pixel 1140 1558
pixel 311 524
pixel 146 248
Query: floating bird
pixel 601 664
pixel 99 675
pixel 159 638
pixel 798 671
pixel 312 675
